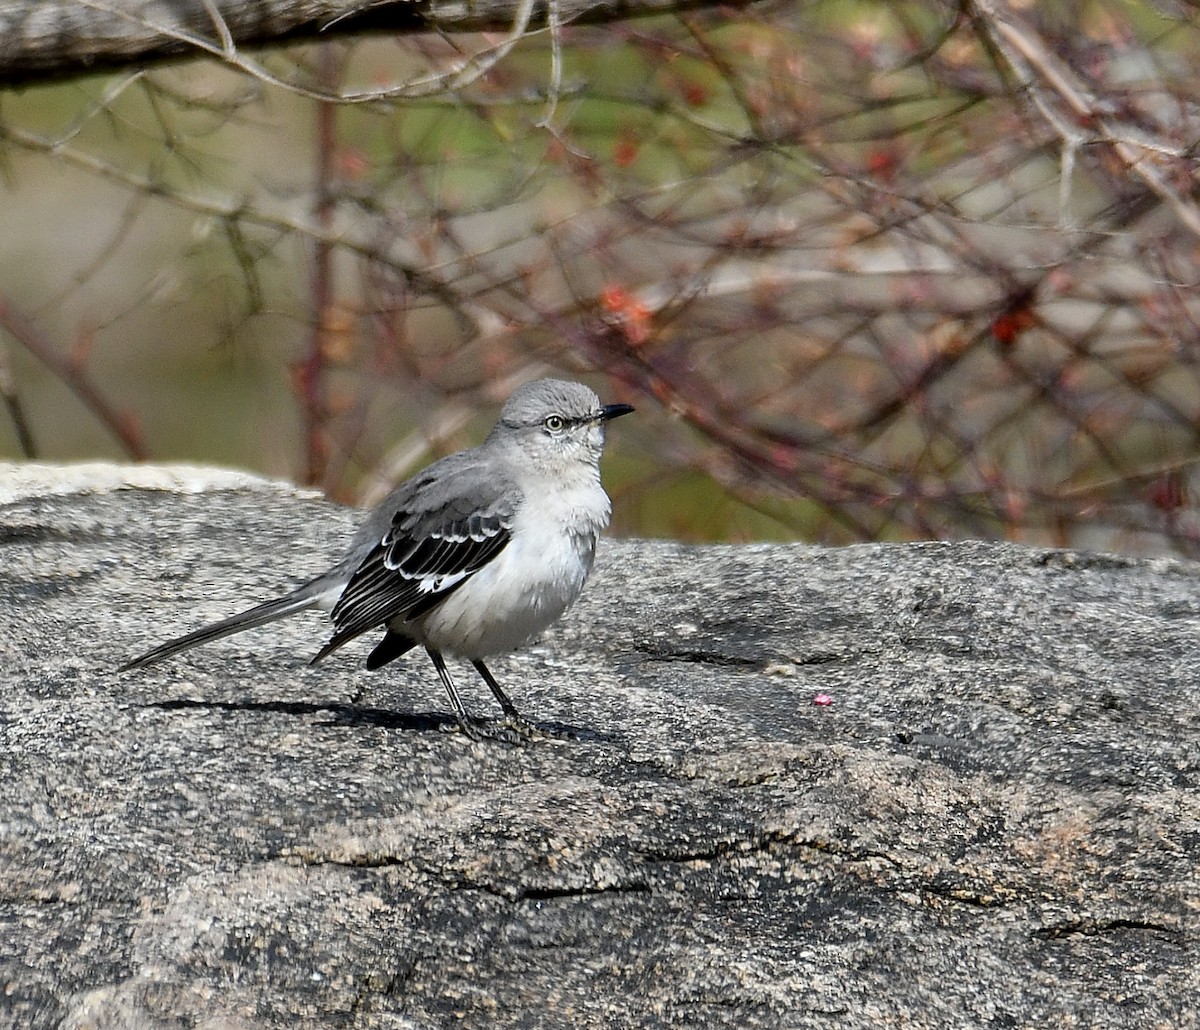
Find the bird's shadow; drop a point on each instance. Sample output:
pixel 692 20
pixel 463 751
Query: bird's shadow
pixel 342 714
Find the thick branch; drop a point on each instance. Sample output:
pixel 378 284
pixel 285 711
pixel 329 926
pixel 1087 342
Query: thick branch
pixel 46 40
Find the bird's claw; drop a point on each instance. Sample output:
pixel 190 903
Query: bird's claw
pixel 511 729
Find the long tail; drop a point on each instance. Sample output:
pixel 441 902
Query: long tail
pixel 297 601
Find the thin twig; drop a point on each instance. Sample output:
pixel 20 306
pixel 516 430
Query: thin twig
pixel 121 424
pixel 1027 54
pixel 16 410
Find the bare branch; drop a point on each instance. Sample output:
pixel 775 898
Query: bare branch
pixel 1078 116
pixel 54 39
pixel 74 374
pixel 16 410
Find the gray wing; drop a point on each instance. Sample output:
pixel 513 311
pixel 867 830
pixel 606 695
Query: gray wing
pixel 447 523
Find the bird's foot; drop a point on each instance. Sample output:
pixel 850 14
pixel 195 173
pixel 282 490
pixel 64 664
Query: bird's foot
pixel 535 731
pixel 511 729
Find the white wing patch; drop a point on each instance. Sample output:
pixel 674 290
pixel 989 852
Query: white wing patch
pixel 438 584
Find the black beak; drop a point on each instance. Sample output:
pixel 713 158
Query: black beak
pixel 611 411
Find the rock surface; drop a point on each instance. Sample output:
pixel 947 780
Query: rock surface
pixel 995 823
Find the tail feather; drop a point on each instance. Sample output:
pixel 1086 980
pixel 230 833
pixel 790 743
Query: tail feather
pixel 392 646
pixel 260 615
pixel 336 641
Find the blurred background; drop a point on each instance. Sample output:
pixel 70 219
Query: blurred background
pixel 867 270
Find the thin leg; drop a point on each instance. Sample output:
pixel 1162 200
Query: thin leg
pixel 509 708
pixel 513 719
pixel 465 722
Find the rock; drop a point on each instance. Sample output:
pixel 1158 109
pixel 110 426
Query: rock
pixel 995 822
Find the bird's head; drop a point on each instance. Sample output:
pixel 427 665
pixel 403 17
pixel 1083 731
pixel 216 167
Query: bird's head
pixel 557 423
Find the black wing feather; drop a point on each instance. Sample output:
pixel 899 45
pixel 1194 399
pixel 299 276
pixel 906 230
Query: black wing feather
pixel 419 562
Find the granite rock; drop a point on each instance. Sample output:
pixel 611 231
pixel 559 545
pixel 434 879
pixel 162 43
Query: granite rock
pixel 995 822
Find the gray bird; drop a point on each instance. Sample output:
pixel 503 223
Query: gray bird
pixel 473 556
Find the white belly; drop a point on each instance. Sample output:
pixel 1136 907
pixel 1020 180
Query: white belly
pixel 511 600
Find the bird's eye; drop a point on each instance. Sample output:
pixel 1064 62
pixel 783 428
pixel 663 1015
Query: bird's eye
pixel 554 423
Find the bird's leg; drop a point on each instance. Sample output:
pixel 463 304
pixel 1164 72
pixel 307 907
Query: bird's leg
pixel 505 701
pixel 511 731
pixel 512 718
pixel 465 722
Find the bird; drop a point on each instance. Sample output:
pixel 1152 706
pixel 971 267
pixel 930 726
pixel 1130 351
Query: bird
pixel 472 557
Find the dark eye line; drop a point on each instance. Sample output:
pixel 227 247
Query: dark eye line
pixel 567 420
pixel 579 420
